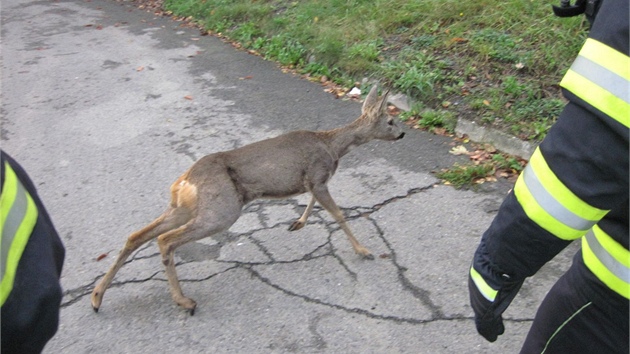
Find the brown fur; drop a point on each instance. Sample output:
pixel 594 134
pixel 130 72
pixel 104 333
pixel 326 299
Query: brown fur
pixel 209 197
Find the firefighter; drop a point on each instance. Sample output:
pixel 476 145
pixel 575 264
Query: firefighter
pixel 575 187
pixel 31 259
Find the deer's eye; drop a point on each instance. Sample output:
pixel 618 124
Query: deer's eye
pixel 390 122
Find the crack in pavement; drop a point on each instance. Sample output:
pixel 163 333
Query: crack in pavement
pixel 354 310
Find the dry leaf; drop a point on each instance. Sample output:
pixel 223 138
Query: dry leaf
pixel 440 131
pixel 188 97
pixel 459 150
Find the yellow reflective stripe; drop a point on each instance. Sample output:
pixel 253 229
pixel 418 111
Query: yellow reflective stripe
pixel 550 204
pixel 18 214
pixel 597 97
pixel 9 191
pixel 601 76
pixel 560 192
pixel 485 289
pixel 607 57
pixel 608 260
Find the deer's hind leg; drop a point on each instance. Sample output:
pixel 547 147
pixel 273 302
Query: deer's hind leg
pixel 219 206
pixel 171 219
pixel 299 223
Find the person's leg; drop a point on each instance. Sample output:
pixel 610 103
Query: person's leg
pixel 569 322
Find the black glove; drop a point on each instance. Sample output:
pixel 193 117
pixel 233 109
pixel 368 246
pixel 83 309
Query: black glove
pixel 488 313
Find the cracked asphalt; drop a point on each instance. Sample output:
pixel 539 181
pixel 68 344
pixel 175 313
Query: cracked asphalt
pixel 106 105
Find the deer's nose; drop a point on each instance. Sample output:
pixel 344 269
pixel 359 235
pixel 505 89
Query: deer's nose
pixel 400 136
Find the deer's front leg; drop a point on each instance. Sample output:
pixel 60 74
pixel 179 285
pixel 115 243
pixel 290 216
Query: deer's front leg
pixel 299 223
pixel 322 195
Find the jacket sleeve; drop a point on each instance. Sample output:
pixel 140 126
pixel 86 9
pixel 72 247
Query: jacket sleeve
pixel 30 314
pixel 579 172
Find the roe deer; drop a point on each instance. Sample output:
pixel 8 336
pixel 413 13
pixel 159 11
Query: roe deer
pixel 209 197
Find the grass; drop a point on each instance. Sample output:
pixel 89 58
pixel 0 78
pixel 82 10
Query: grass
pixel 499 61
pixel 486 165
pixel 460 176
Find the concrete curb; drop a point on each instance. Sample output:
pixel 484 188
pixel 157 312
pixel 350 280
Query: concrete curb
pixel 500 140
pixel 480 134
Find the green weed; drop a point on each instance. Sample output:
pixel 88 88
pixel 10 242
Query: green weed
pixel 460 176
pixel 503 59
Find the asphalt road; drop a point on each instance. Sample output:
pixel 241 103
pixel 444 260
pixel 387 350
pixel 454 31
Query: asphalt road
pixel 106 105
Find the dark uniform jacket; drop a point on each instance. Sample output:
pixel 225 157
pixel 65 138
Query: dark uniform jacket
pixel 575 186
pixel 31 293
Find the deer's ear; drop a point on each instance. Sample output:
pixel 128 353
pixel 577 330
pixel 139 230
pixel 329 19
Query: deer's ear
pixel 383 103
pixel 371 101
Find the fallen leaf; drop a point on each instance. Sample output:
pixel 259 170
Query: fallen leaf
pixel 479 155
pixel 393 110
pixel 140 68
pixel 440 131
pixel 459 150
pixel 188 97
pixel 486 102
pixel 101 256
pixel 248 77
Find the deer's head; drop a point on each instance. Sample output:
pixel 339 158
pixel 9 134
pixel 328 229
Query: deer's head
pixel 374 113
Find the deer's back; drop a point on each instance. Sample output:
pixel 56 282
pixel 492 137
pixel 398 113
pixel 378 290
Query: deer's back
pixel 279 167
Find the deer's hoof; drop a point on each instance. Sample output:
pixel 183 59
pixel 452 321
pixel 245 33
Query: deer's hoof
pixel 296 226
pixel 368 256
pixel 188 304
pixel 96 299
pixel 364 253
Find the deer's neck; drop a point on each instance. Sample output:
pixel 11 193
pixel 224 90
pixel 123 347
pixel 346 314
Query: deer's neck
pixel 343 139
